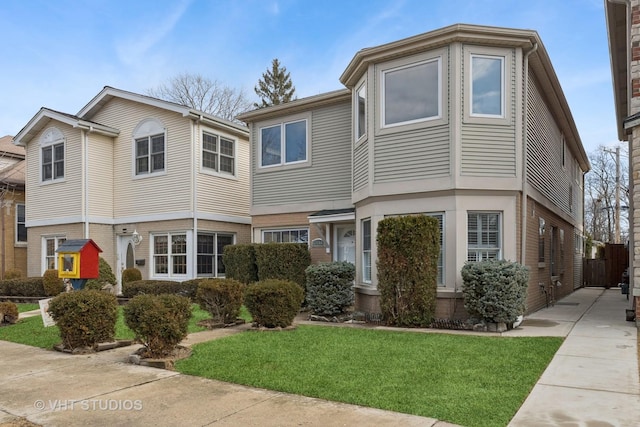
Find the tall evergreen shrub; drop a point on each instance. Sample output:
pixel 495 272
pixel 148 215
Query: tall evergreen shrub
pixel 408 251
pixel 284 261
pixel 240 263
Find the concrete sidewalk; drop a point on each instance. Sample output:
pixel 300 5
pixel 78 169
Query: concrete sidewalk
pixel 592 381
pixel 593 378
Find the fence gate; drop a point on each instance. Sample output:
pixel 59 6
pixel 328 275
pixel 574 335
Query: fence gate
pixel 606 272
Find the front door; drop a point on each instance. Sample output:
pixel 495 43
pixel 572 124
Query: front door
pixel 346 243
pixel 126 256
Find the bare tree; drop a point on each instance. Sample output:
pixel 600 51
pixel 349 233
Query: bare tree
pixel 204 94
pixel 601 185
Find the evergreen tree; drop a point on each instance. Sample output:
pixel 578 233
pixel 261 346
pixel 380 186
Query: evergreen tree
pixel 275 87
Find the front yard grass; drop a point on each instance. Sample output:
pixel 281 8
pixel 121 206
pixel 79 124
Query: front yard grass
pixel 468 380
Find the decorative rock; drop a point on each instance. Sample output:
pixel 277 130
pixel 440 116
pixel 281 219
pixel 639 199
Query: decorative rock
pixel 480 327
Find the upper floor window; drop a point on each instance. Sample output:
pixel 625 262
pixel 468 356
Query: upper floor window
pixel 218 153
pixel 150 147
pixel 361 111
pixel 52 154
pixel 487 86
pixel 411 93
pixel 284 143
pixel 484 238
pixel 21 227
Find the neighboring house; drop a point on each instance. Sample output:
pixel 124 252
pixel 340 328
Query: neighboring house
pixel 158 186
pixel 467 124
pixel 623 28
pixel 13 231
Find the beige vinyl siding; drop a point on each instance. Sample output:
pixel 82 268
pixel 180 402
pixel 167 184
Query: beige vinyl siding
pixel 410 155
pixel 218 194
pixel 104 237
pixel 544 153
pixel 329 176
pixel 100 167
pixel 61 199
pixel 361 166
pixel 34 243
pixel 488 151
pixel 157 194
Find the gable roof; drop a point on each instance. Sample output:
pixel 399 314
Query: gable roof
pixel 9 149
pixel 108 93
pixel 46 115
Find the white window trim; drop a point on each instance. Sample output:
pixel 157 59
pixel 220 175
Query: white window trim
pixel 385 71
pixel 43 242
pixel 215 255
pixel 289 229
pixel 502 86
pixel 366 280
pixel 148 128
pixel 214 172
pixel 356 114
pixel 189 254
pixel 500 232
pixel 507 74
pixel 16 241
pixel 283 163
pixel 51 138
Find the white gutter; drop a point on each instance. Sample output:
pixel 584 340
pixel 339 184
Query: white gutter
pixel 194 194
pixel 525 193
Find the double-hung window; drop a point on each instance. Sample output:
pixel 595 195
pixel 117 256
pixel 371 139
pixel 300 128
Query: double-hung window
pixel 218 153
pixel 484 236
pixel 366 250
pixel 361 111
pixel 49 246
pixel 210 250
pixel 411 93
pixel 487 86
pixel 150 154
pixel 170 254
pixel 293 235
pixel 21 227
pixel 283 144
pixel 52 154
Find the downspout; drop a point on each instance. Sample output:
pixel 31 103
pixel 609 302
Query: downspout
pixel 85 183
pixel 194 192
pixel 525 126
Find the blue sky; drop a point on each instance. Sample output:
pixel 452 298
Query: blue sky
pixel 60 54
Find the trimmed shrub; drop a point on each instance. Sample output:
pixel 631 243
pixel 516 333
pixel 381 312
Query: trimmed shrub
pixel 222 298
pixel 408 251
pixel 284 261
pixel 495 290
pixel 330 287
pixel 85 318
pixel 105 277
pixel 186 289
pixel 53 285
pixel 8 312
pixel 131 275
pixel 13 273
pixel 29 287
pixel 240 263
pixel 274 303
pixel 160 322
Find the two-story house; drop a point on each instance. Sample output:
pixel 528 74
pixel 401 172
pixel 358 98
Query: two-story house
pixel 467 124
pixel 623 30
pixel 158 186
pixel 13 231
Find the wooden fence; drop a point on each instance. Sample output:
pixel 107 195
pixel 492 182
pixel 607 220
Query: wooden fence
pixel 606 271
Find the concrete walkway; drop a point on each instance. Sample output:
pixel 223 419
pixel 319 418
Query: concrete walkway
pixel 592 381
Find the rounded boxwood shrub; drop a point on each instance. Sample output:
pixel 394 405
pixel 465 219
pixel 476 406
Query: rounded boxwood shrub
pixel 53 285
pixel 160 322
pixel 274 303
pixel 495 291
pixel 131 275
pixel 330 287
pixel 8 312
pixel 13 273
pixel 85 318
pixel 23 287
pixel 222 298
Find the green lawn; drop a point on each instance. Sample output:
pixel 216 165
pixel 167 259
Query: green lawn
pixel 31 330
pixel 467 380
pixel 22 307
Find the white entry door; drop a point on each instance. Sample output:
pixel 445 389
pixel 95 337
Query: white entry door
pixel 126 258
pixel 346 243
